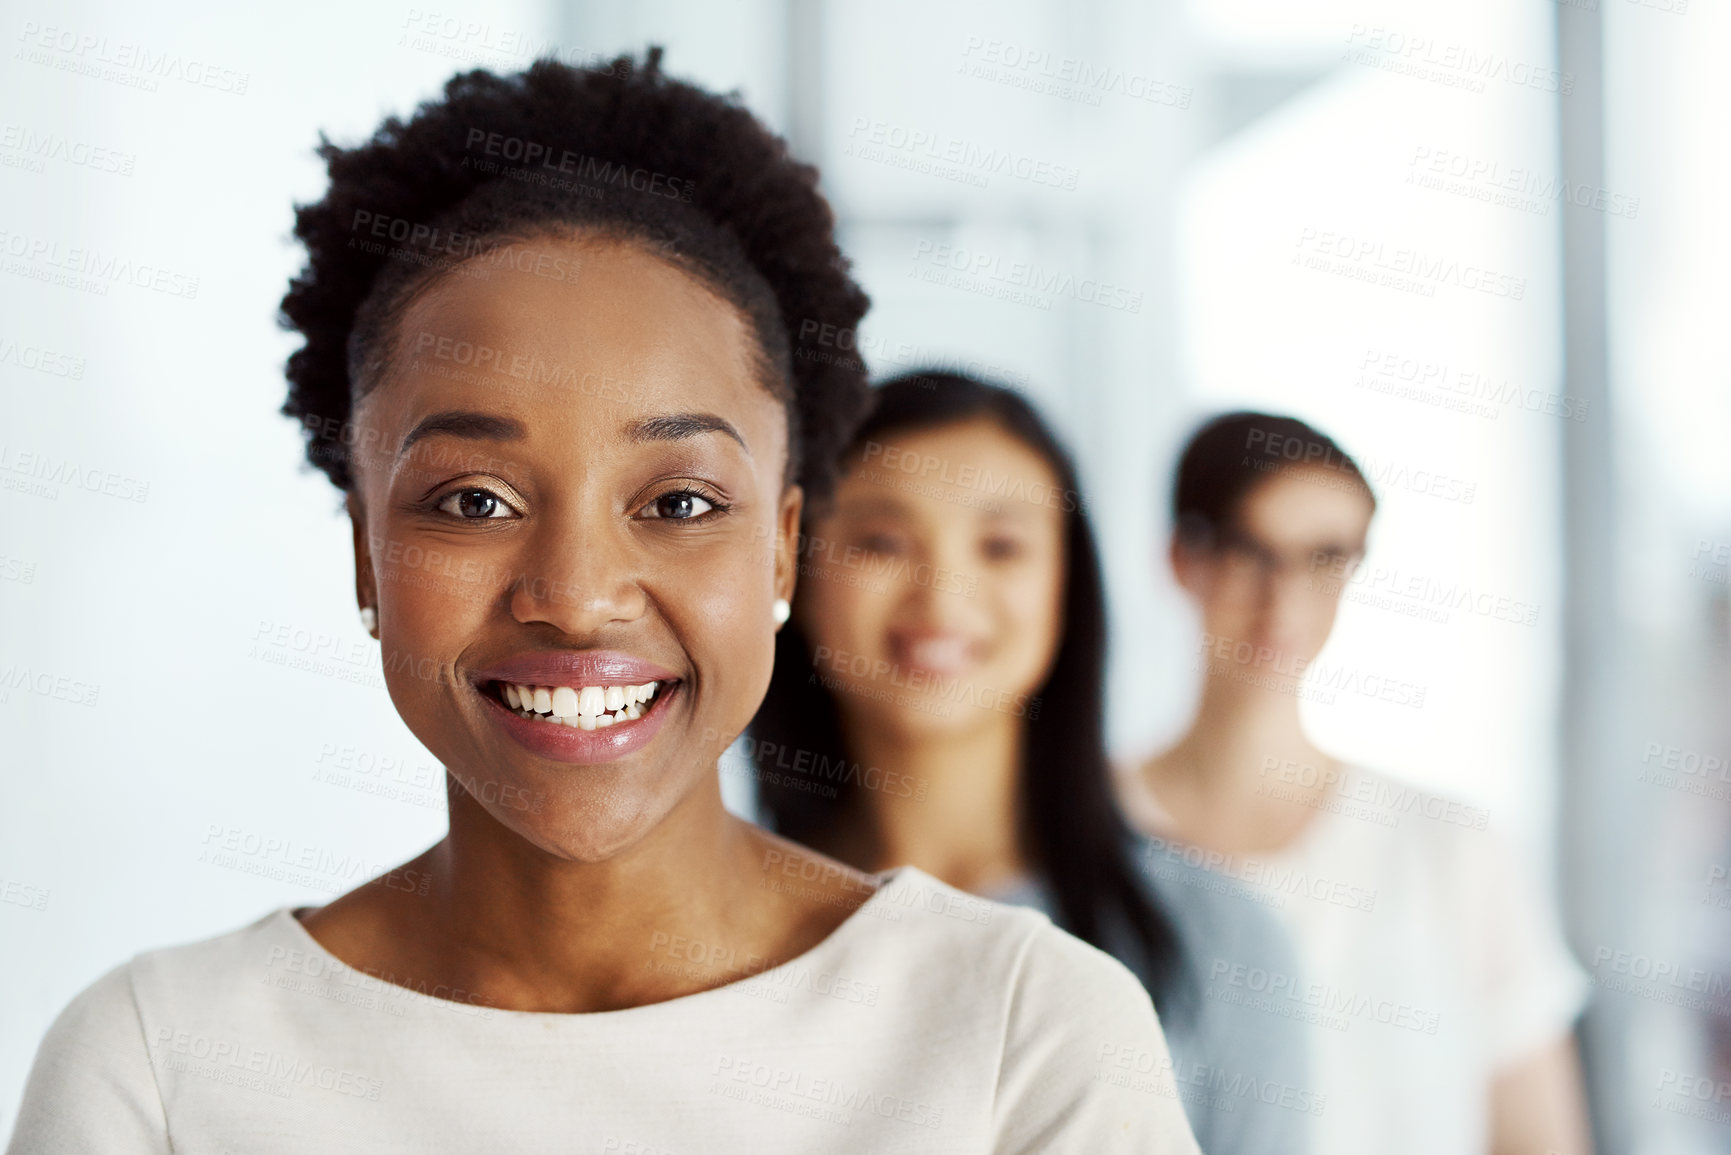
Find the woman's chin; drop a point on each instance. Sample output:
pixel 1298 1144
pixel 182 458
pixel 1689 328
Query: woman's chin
pixel 591 843
pixel 925 717
pixel 582 829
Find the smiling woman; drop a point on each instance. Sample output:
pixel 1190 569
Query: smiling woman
pixel 554 358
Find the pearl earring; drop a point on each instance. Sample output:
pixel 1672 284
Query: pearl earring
pixel 781 611
pixel 369 619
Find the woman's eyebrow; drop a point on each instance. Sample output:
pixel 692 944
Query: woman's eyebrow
pixel 678 426
pixel 464 423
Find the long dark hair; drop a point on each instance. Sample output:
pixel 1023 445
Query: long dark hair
pixel 1071 829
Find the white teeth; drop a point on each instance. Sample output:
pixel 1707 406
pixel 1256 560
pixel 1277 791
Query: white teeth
pixel 586 707
pixel 941 654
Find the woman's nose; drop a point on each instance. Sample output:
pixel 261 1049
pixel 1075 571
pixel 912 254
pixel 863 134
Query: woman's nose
pixel 579 575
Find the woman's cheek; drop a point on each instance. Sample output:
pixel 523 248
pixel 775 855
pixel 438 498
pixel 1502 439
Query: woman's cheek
pixel 428 616
pixel 847 619
pixel 848 633
pixel 1228 613
pixel 719 611
pixel 1031 611
pixel 1222 621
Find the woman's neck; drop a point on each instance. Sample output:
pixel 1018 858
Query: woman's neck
pixel 500 922
pixel 947 804
pixel 1244 777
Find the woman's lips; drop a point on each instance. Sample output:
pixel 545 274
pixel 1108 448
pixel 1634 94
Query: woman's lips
pixel 939 653
pixel 607 704
pixel 560 742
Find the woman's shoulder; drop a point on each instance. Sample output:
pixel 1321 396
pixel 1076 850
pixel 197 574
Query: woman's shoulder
pixel 1080 1060
pixel 1135 797
pixel 1210 898
pixel 184 991
pixel 1006 951
pixel 1413 845
pixel 101 1019
pixel 200 972
pixel 94 1082
pixel 921 911
pixel 1039 977
pixel 217 958
pixel 169 990
pixel 1418 821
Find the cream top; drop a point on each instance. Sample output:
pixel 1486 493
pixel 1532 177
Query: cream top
pixel 929 1021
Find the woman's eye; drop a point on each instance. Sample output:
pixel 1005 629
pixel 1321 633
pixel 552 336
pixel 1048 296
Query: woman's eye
pixel 474 505
pixel 1001 548
pixel 681 506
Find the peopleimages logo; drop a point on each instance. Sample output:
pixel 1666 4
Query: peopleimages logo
pixel 772 1086
pixel 517 150
pixel 1455 65
pixel 1510 186
pixel 41 360
pixel 1379 799
pixel 1608 963
pixel 1223 654
pixel 966 475
pixel 50 472
pixel 88 268
pixel 283 1072
pixel 124 61
pixel 1274 878
pixel 1340 1003
pixel 920 683
pixel 1369 259
pixel 1020 282
pixel 38 147
pixel 1461 389
pixel 828 769
pixel 975 163
pixel 1066 77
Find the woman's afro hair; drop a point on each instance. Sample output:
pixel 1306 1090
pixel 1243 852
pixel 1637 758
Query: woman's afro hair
pixel 619 149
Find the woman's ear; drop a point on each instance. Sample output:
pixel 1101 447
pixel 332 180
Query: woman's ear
pixel 787 541
pixel 1188 565
pixel 366 588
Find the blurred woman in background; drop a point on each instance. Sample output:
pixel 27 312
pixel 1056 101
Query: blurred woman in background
pixel 939 700
pixel 1443 979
